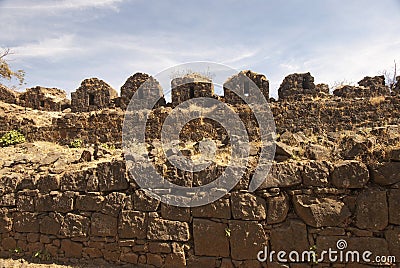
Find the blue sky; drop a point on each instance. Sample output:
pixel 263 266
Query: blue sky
pixel 61 42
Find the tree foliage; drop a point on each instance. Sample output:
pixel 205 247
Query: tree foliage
pixel 6 72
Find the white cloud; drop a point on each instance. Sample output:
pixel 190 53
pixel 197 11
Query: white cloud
pixel 60 5
pixel 49 48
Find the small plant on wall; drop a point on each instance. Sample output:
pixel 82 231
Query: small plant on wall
pixel 77 143
pixel 12 137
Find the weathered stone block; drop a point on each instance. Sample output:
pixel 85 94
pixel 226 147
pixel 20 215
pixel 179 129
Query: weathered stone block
pixel 103 225
pixel 386 173
pixel 372 210
pixel 392 237
pixel 220 208
pixel 315 173
pixel 210 238
pixel 394 206
pixel 25 200
pixel 5 221
pixel 48 183
pixel 291 235
pixel 60 202
pixel 9 243
pixel 89 202
pixel 129 257
pixel 160 229
pixel 113 204
pixel 26 222
pixel 175 260
pixel 247 206
pixel 278 207
pixel 7 200
pixel 143 202
pixel 175 213
pixel 282 175
pixel 112 176
pixel 321 211
pixel 76 180
pixel 159 247
pixel 132 224
pixel 350 174
pixel 246 240
pixel 71 249
pixel 51 224
pixel 74 225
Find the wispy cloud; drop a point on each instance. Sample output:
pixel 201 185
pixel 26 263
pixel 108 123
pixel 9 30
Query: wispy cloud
pixel 48 48
pixel 60 5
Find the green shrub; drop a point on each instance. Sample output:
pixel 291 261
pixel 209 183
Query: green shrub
pixel 12 137
pixel 108 146
pixel 77 143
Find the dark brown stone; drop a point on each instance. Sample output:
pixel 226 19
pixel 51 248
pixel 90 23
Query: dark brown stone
pixel 129 257
pixel 103 225
pixel 282 175
pixel 386 173
pixel 392 237
pixel 350 174
pixel 132 224
pixel 205 231
pixel 372 210
pixel 247 238
pixel 291 235
pixel 89 202
pixel 48 183
pixel 218 209
pixel 74 225
pixel 112 176
pixel 8 243
pixel 278 207
pixel 50 224
pixel 61 202
pixel 175 213
pixel 315 173
pixel 26 222
pixel 175 260
pixel 394 206
pixel 71 249
pixel 143 202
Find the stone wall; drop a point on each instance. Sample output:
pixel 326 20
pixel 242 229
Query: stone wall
pixel 191 86
pixel 8 95
pixel 245 82
pixel 335 176
pixel 322 116
pixel 297 85
pixel 368 87
pixel 149 89
pixel 97 215
pixel 47 99
pixel 93 94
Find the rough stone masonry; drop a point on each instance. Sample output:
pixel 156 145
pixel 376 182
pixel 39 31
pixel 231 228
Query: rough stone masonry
pixel 335 176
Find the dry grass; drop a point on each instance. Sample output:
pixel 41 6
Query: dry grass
pixel 376 100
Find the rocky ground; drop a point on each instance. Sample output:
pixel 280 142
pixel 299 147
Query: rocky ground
pixel 21 263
